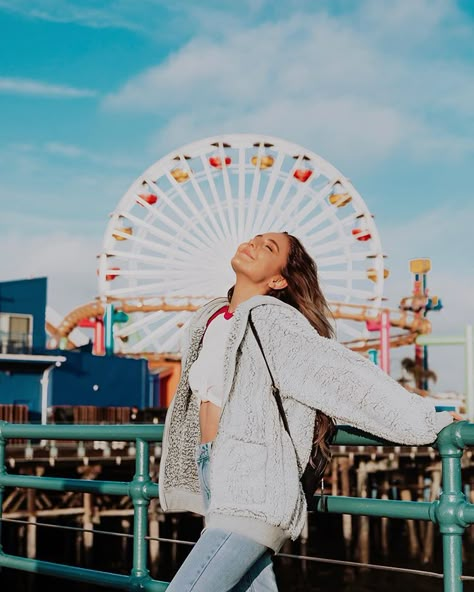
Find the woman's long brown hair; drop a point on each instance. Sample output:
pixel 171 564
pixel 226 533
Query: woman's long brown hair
pixel 304 293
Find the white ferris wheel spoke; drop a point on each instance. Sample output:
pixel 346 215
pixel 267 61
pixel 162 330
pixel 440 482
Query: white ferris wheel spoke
pixel 340 259
pixel 179 212
pixel 163 235
pixel 344 291
pixel 241 195
pixel 145 320
pixel 215 196
pixel 153 334
pixel 164 218
pixel 331 246
pixel 154 246
pixel 319 235
pixel 342 275
pixel 264 206
pixel 252 198
pixel 313 203
pixel 317 220
pixel 282 195
pixel 285 218
pixel 161 263
pixel 228 193
pixel 349 329
pixel 218 232
pixel 198 216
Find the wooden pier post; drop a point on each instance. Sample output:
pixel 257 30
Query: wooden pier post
pixel 88 526
pixel 31 528
pixel 421 497
pixel 174 519
pixel 428 547
pixel 345 464
pixel 334 476
pixel 126 526
pixel 413 544
pixel 384 521
pixel 364 532
pixel 154 529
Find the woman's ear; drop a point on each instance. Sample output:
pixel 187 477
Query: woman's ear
pixel 278 283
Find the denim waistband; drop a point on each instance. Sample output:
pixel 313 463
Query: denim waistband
pixel 203 451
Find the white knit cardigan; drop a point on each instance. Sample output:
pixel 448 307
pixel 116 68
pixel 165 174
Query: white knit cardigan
pixel 254 475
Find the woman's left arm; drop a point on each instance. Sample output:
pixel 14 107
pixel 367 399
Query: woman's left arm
pixel 326 375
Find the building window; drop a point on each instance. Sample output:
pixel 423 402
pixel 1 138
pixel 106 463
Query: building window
pixel 16 333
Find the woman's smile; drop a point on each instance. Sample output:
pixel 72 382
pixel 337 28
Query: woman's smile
pixel 246 251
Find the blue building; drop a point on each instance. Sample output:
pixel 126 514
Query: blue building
pixel 42 379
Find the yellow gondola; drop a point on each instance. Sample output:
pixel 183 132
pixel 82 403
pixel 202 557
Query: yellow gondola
pixel 125 230
pixel 372 274
pixel 263 162
pixel 180 175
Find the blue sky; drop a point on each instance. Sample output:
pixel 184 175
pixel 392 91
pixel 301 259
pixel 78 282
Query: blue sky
pixel 92 93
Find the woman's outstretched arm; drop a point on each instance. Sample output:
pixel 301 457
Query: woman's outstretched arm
pixel 326 375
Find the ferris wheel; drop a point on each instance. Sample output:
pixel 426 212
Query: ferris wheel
pixel 168 244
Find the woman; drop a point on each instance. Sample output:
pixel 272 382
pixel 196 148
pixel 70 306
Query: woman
pixel 226 454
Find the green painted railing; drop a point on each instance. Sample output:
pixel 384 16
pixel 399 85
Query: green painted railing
pixel 451 512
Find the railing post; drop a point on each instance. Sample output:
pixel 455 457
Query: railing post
pixel 141 504
pixel 449 510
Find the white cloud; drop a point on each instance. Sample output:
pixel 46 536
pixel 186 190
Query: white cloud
pixel 109 15
pixel 73 152
pixel 68 261
pixel 316 78
pixel 25 86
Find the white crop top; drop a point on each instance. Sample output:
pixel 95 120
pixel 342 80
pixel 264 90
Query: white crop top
pixel 206 375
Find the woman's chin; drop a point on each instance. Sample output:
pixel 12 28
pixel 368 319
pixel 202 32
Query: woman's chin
pixel 237 262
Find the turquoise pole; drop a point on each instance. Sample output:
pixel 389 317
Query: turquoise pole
pixel 449 511
pixel 372 353
pixel 140 504
pixel 109 329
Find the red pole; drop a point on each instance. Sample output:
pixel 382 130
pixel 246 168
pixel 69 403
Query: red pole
pixel 99 349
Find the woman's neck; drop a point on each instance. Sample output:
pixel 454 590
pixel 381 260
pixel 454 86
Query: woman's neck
pixel 242 292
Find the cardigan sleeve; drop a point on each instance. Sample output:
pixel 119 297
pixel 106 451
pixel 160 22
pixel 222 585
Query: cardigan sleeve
pixel 324 374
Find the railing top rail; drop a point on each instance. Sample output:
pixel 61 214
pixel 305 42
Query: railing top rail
pixel 79 432
pixel 460 434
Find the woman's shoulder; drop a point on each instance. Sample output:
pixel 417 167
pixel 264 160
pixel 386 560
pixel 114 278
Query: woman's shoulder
pixel 270 308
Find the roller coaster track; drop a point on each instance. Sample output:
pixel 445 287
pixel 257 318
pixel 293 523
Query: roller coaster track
pixel 407 324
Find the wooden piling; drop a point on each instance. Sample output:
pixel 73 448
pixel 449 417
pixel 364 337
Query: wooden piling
pixel 421 526
pixel 345 464
pixel 31 528
pixel 364 525
pixel 428 546
pixel 88 525
pixel 413 544
pixel 384 522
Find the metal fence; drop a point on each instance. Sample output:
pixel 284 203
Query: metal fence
pixel 451 513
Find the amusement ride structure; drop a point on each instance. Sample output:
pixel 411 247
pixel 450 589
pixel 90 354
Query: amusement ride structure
pixel 168 244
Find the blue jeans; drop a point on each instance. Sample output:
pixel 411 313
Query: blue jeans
pixel 223 561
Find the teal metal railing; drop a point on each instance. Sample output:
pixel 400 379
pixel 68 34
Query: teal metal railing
pixel 450 512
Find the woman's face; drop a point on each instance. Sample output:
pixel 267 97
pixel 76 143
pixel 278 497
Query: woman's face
pixel 262 258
